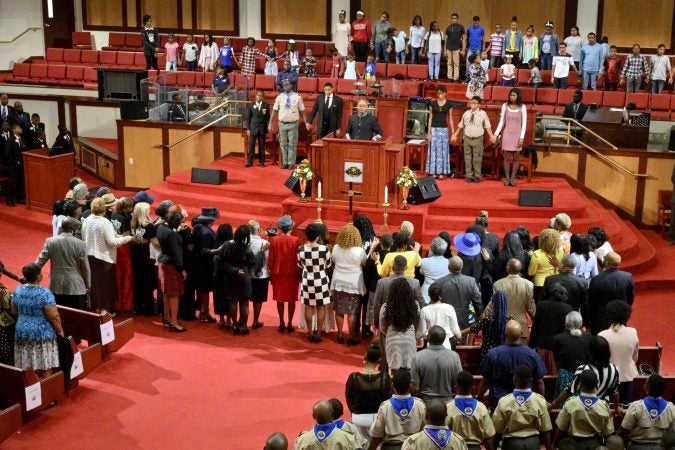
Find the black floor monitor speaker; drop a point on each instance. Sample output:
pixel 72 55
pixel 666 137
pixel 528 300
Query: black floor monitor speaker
pixel 208 176
pixel 133 110
pixel 293 184
pixel 426 191
pixel 535 198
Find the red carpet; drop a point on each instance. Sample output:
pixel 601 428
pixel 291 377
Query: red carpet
pixel 208 389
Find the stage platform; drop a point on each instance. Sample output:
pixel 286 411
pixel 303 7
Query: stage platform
pixel 259 193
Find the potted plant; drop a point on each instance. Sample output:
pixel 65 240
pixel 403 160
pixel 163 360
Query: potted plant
pixel 405 179
pixel 304 173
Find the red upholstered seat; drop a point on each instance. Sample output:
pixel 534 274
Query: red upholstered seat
pixel 115 41
pixel 266 82
pixel 74 76
pixel 417 71
pixel 672 107
pixel 660 106
pixel 133 41
pixel 487 93
pixel 89 58
pixel 163 39
pixel 397 71
pixel 107 59
pixel 565 96
pixel 546 99
pixel 90 76
pixel 72 56
pixel 308 85
pixel 185 79
pixel 21 72
pixel 139 59
pixel 411 88
pixel 593 97
pixel 546 77
pixel 381 70
pixel 125 59
pixel 38 72
pixel 81 40
pixel 573 80
pixel 161 60
pixel 170 78
pixel 55 73
pixel 529 94
pixel 523 77
pixel 345 87
pixel 54 55
pixel 360 67
pixel 318 49
pixel 500 94
pixel 614 99
pixel 238 43
pixel 641 100
pixel 494 76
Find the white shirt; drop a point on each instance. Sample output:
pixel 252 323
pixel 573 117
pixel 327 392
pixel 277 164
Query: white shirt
pixel 347 272
pixel 660 67
pixel 443 315
pixel 574 44
pixel 100 240
pixel 416 36
pixel 561 65
pixel 602 251
pixel 435 41
pixel 256 244
pixel 190 51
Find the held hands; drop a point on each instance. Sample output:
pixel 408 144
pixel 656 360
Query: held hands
pixel 375 257
pixel 308 126
pixel 493 139
pixel 520 143
pixel 417 247
pixel 485 254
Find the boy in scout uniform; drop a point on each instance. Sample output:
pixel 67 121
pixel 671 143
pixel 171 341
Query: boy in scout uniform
pixel 647 420
pixel 338 411
pixel 469 418
pixel 585 418
pixel 436 434
pixel 325 435
pixel 521 417
pixel 399 417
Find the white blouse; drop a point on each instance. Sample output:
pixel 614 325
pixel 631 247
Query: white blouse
pixel 213 52
pixel 100 239
pixel 347 272
pixel 256 244
pixel 416 36
pixel 435 41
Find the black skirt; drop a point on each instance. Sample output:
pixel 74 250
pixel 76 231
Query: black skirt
pixel 259 288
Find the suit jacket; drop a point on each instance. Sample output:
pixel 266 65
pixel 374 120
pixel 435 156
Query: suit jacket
pixel 459 291
pixel 549 321
pixel 610 284
pixel 13 152
pixel 63 142
pixel 30 134
pixel 23 119
pixel 10 113
pixel 363 128
pixel 569 111
pixel 257 120
pixel 519 299
pixel 177 113
pixel 4 148
pixel 69 273
pixel 382 293
pixel 335 118
pixel 577 292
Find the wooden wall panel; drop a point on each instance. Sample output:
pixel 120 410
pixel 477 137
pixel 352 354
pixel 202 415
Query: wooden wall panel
pixel 142 156
pixel 164 12
pixel 104 12
pixel 187 15
pixel 215 15
pixel 644 26
pixel 196 151
pixel 614 186
pixel 132 20
pixel 535 12
pixel 659 171
pixel 296 18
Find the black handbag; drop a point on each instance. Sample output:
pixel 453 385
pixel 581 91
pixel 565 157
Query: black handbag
pixel 66 358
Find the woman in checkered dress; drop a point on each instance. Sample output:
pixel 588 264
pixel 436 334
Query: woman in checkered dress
pixel 314 259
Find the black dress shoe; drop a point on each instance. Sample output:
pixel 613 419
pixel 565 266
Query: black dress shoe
pixel 248 164
pixel 257 325
pixel 290 328
pixel 282 327
pixel 10 203
pixel 21 201
pixel 262 164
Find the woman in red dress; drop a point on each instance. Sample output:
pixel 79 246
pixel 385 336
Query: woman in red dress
pixel 283 272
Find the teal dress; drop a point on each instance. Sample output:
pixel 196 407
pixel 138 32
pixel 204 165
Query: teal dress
pixel 34 336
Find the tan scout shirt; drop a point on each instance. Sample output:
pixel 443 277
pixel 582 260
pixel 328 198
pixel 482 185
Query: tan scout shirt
pixel 512 419
pixel 642 428
pixel 579 421
pixel 338 440
pixel 475 429
pixel 391 428
pixel 420 441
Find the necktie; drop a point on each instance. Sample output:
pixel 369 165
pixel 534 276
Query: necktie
pixel 329 100
pixel 4 113
pixel 288 101
pixel 576 109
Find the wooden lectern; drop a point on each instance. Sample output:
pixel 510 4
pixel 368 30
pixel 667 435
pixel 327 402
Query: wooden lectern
pixel 381 162
pixel 47 178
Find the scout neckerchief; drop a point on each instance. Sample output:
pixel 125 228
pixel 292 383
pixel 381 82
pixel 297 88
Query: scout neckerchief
pixel 439 436
pixel 655 406
pixel 522 396
pixel 467 405
pixel 403 406
pixel 322 432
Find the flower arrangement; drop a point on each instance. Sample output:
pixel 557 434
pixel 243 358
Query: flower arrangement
pixel 304 171
pixel 406 178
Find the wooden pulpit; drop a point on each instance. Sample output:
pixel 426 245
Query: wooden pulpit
pixel 47 178
pixel 379 162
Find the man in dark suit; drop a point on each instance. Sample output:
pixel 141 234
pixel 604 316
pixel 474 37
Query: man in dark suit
pixel 177 112
pixel 610 284
pixel 64 141
pixel 328 111
pixel 5 136
pixel 20 117
pixel 576 110
pixel 14 150
pixel 577 291
pixel 30 135
pixel 256 122
pixel 6 111
pixel 40 140
pixel 362 125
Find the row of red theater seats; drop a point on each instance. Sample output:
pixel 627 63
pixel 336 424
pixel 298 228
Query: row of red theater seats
pixel 55 75
pixel 132 42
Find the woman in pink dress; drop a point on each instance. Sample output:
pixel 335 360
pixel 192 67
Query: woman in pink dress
pixel 283 273
pixel 513 121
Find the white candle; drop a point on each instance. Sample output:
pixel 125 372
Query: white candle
pixel 319 189
pixel 386 194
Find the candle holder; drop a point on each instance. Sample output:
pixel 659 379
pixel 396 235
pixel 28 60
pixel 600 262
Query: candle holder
pixel 385 225
pixel 318 210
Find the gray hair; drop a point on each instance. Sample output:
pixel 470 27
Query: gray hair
pixel 254 226
pixel 573 322
pixel 438 246
pixel 455 264
pixel 569 261
pixel 80 192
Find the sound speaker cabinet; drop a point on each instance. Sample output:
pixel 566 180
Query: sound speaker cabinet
pixel 133 110
pixel 426 191
pixel 535 198
pixel 208 176
pixel 293 184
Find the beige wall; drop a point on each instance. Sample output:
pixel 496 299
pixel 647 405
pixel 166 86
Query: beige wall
pixel 648 22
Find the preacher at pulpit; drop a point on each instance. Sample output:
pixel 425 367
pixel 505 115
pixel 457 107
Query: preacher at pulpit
pixel 362 125
pixel 177 110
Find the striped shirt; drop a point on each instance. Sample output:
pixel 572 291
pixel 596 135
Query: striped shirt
pixel 496 44
pixel 608 381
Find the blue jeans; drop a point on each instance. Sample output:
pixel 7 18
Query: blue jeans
pixel 434 65
pixel 633 84
pixel 657 86
pixel 400 57
pixel 191 65
pixel 546 59
pixel 589 80
pixel 415 55
pixel 381 51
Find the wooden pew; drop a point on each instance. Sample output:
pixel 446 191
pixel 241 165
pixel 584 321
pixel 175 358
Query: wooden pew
pixel 15 381
pixel 10 419
pixel 85 325
pixel 651 356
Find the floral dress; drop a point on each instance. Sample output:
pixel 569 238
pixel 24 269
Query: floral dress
pixel 315 286
pixel 7 321
pixel 310 66
pixel 476 76
pixel 34 338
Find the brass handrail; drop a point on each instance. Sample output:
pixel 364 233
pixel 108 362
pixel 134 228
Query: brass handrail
pixel 222 104
pixel 197 131
pixel 570 121
pixel 609 161
pixel 21 34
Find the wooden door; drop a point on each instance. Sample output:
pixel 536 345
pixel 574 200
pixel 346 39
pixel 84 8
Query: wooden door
pixel 59 22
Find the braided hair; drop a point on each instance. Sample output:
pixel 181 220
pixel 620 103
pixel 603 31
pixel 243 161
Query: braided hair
pixel 401 311
pixel 498 319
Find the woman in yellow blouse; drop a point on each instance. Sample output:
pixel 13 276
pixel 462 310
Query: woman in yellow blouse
pixel 401 247
pixel 550 248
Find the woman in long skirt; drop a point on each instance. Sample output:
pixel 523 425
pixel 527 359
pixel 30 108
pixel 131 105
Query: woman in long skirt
pixel 438 156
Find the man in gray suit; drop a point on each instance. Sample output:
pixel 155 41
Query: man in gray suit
pixel 459 291
pixel 69 277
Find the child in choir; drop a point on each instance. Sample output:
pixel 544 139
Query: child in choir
pixel 209 54
pixel 399 45
pixel 508 72
pixel 468 417
pixel 309 63
pixel 271 58
pixel 485 64
pixel 227 55
pixel 369 71
pixel 530 45
pixel 476 78
pixel 535 76
pixel 613 69
pixel 292 55
pixel 171 48
pixel 350 72
pixel 585 418
pixel 521 418
pixel 338 65
pixel 190 51
pixel 647 420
